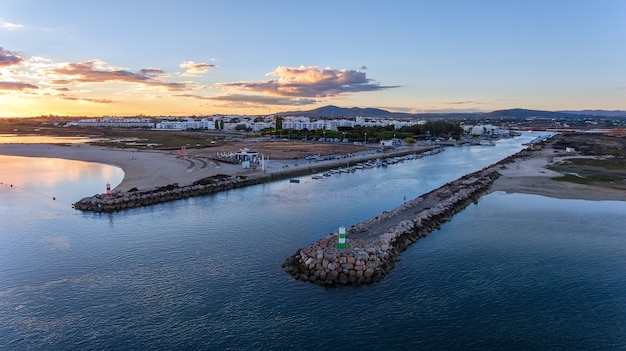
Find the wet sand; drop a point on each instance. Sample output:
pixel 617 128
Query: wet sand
pixel 531 176
pixel 142 169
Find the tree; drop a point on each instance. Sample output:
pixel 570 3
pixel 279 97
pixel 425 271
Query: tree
pixel 243 127
pixel 279 122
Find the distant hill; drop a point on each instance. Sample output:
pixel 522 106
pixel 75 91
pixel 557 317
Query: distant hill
pixel 521 113
pixel 331 111
pixel 338 112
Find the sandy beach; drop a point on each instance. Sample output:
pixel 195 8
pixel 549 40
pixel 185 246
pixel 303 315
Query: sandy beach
pixel 148 169
pixel 531 176
pixel 142 169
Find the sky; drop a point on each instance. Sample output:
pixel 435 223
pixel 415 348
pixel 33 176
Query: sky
pixel 205 57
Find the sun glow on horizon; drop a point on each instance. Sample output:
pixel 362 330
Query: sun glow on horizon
pixel 73 61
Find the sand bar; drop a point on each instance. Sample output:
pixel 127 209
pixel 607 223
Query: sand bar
pixel 142 169
pixel 531 176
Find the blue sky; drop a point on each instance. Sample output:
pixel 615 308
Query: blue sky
pixel 256 57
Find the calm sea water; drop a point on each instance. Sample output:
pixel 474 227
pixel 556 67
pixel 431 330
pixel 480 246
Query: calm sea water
pixel 511 272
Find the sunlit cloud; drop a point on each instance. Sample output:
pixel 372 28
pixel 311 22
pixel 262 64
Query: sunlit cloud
pixel 12 26
pixel 17 86
pixel 460 102
pixel 151 71
pixel 90 72
pixel 196 68
pixel 309 82
pixel 86 99
pixel 57 242
pixel 264 100
pixel 9 58
pixel 74 86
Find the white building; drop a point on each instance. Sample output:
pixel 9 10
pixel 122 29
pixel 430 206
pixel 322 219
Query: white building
pixel 187 123
pixel 118 122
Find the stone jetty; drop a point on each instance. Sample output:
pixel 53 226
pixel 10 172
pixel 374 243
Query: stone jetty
pixel 117 201
pixel 373 246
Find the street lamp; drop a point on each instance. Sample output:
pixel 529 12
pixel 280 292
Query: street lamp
pixel 344 136
pixel 366 137
pixel 324 132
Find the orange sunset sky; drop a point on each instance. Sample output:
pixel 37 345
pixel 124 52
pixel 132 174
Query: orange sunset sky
pixel 250 57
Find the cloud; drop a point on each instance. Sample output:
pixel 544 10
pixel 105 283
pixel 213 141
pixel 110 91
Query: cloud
pixel 193 96
pixel 310 82
pixel 88 72
pixel 16 86
pixel 460 102
pixel 9 58
pixel 12 26
pixel 195 68
pixel 87 99
pixel 255 99
pixel 263 99
pixel 151 71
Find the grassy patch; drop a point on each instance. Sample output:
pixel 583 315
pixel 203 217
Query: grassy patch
pixel 593 178
pixel 572 179
pixel 605 178
pixel 609 163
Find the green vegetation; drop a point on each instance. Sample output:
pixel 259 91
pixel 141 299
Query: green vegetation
pixel 154 139
pixel 607 167
pixel 594 178
pixel 608 163
pixel 429 130
pixel 436 129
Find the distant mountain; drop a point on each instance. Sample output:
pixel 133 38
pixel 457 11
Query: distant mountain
pixel 331 111
pixel 521 113
pixel 338 112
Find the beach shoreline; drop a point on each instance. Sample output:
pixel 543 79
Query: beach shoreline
pixel 530 175
pixel 147 169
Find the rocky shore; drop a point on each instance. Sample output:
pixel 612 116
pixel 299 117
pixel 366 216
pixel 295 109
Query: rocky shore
pixel 117 200
pixel 373 246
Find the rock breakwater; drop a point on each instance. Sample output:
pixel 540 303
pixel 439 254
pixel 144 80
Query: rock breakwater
pixel 118 201
pixel 374 245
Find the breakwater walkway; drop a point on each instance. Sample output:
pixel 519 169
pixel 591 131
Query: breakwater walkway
pixel 373 246
pixel 117 201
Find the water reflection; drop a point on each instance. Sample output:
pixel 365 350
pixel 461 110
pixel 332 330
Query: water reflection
pixel 41 139
pixel 55 178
